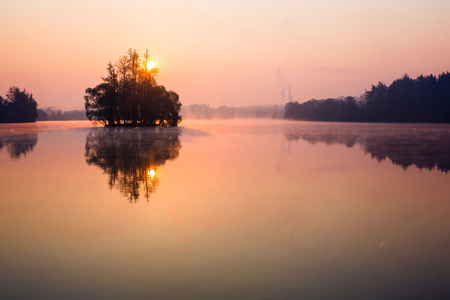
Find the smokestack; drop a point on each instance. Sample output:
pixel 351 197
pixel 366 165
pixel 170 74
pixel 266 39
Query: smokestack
pixel 290 97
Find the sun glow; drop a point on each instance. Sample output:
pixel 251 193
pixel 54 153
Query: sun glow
pixel 151 173
pixel 151 64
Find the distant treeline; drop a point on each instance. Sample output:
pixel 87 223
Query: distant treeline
pixel 58 115
pixel 203 111
pixel 424 99
pixel 18 107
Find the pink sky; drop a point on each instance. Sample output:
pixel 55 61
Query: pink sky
pixel 223 52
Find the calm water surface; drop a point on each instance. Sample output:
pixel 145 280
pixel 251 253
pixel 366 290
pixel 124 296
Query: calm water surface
pixel 225 210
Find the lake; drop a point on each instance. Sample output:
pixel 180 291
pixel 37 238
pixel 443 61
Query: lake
pixel 249 209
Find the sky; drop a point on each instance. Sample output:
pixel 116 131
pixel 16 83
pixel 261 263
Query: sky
pixel 231 52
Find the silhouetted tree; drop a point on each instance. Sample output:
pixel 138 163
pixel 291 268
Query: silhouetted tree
pixel 442 111
pixel 352 111
pixel 18 107
pixel 376 103
pixel 2 109
pixel 402 101
pixel 130 95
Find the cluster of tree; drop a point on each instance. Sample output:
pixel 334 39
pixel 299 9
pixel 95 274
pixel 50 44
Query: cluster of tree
pixel 130 95
pixel 59 115
pixel 131 157
pixel 18 107
pixel 426 147
pixel 203 111
pixel 424 99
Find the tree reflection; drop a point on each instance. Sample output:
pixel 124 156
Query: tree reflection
pixel 424 146
pixel 131 157
pixel 19 145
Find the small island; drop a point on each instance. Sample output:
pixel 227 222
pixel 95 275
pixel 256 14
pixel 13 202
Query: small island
pixel 130 95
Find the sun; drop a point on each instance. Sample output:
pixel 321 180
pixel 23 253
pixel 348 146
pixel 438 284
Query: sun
pixel 151 64
pixel 151 173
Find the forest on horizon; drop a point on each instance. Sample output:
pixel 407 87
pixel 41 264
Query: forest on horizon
pixel 425 99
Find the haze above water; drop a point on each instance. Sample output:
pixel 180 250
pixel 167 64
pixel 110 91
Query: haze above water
pixel 225 210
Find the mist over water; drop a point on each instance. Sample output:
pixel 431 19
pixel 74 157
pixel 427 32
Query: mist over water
pixel 423 146
pixel 19 145
pixel 226 209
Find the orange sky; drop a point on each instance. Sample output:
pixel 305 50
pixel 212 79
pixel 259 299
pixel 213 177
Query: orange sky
pixel 223 53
